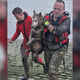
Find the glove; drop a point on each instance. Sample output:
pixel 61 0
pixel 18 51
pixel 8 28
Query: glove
pixel 46 23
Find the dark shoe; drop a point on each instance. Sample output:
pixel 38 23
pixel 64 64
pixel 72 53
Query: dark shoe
pixel 45 71
pixel 25 77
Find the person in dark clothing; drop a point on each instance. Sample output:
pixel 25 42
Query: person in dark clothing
pixel 56 38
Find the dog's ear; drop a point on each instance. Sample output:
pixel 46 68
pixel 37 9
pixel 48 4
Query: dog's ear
pixel 34 12
pixel 40 14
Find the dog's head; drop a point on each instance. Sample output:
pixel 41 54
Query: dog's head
pixel 37 19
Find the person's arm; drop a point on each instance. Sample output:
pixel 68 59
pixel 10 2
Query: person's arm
pixel 63 27
pixel 47 23
pixel 15 36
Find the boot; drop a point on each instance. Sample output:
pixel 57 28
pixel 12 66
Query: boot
pixel 25 77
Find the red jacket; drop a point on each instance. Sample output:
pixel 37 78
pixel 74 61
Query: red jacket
pixel 20 29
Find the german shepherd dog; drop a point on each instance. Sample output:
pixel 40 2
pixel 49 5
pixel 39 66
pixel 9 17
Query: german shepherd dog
pixel 35 42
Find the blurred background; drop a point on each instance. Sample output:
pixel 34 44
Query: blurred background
pixel 76 39
pixel 3 39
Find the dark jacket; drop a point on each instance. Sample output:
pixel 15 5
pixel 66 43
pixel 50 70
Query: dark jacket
pixel 61 27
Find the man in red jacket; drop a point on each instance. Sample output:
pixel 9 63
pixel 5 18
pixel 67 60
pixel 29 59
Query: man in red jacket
pixel 23 26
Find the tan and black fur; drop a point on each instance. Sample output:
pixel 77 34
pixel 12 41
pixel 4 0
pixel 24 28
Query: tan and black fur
pixel 35 42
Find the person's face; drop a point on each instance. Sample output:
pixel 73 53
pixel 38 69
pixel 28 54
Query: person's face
pixel 18 17
pixel 58 9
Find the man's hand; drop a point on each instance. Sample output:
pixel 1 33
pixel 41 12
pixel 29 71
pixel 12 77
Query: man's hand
pixel 50 27
pixel 10 40
pixel 46 22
